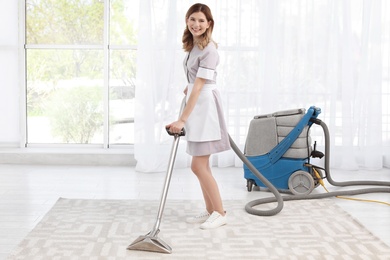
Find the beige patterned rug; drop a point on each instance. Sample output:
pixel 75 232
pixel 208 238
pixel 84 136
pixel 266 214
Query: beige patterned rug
pixel 102 229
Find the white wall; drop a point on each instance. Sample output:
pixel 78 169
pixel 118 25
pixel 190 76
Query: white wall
pixel 9 79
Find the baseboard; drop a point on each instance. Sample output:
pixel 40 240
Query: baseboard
pixel 66 157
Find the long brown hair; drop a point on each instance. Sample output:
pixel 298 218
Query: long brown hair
pixel 188 39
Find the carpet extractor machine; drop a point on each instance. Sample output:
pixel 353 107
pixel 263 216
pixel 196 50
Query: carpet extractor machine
pixel 277 156
pixel 279 146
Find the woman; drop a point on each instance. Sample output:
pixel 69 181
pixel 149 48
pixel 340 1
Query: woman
pixel 202 116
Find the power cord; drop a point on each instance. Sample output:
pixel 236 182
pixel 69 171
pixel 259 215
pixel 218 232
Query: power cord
pixel 321 181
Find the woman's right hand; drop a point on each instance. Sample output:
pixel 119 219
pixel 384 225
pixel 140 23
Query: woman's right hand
pixel 185 91
pixel 176 127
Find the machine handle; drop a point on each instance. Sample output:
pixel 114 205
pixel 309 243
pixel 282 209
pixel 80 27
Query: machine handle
pixel 182 132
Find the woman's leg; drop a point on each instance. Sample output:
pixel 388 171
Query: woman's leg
pixel 201 167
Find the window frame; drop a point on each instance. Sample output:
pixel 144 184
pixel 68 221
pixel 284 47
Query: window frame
pixel 105 47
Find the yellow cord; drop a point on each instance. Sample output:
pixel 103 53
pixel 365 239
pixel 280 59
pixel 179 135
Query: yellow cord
pixel 365 200
pixel 320 180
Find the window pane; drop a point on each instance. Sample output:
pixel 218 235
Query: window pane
pixel 64 96
pixel 122 88
pixel 64 22
pixel 123 22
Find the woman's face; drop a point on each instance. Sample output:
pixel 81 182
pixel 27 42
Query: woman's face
pixel 197 24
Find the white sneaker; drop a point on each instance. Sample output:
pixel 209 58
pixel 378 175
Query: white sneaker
pixel 215 220
pixel 202 217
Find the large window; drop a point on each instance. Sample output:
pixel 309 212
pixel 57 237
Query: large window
pixel 80 71
pixel 83 56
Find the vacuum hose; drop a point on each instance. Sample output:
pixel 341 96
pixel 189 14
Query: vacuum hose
pixel 328 176
pixel 249 207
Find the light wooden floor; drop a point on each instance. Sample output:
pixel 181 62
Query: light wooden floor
pixel 27 192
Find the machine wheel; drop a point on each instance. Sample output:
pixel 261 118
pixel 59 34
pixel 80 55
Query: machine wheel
pixel 301 183
pixel 250 184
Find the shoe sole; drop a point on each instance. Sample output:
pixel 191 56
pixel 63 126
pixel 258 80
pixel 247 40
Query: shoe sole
pixel 204 228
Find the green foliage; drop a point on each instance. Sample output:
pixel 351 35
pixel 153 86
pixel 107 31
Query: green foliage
pixel 123 66
pixel 64 22
pixel 121 28
pixel 45 68
pixel 76 113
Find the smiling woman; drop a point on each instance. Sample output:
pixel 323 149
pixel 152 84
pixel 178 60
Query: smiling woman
pixel 197 24
pixel 203 116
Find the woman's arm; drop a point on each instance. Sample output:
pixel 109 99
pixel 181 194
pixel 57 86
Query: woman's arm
pixel 176 126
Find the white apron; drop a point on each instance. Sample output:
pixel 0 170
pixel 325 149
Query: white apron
pixel 203 123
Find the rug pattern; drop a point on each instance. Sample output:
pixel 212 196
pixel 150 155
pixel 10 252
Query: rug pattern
pixel 102 229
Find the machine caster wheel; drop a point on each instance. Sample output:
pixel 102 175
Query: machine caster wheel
pixel 301 183
pixel 250 184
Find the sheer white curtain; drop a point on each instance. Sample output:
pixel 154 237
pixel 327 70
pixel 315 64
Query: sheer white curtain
pixel 9 75
pixel 275 55
pixel 158 84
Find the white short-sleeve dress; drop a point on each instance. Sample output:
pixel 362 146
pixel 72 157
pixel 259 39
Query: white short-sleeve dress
pixel 206 131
